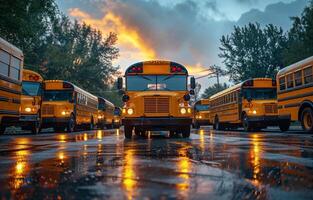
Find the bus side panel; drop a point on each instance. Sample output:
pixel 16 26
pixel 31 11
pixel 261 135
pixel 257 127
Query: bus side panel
pixel 289 102
pixel 10 96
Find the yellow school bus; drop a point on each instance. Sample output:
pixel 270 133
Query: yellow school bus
pixel 11 67
pixel 66 106
pixel 156 97
pixel 251 104
pixel 117 117
pixel 295 94
pixel 201 116
pixel 105 113
pixel 30 118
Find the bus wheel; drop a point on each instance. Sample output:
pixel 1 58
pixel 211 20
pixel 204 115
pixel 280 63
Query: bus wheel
pixel 71 125
pixel 128 131
pixel 247 126
pixel 2 129
pixel 307 119
pixel 58 129
pixel 35 129
pixel 172 134
pixel 284 125
pixel 196 125
pixel 186 132
pixel 137 131
pixel 91 125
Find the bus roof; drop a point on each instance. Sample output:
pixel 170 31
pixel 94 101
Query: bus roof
pixel 150 63
pixel 107 102
pixel 76 88
pixel 238 86
pixel 295 66
pixel 11 49
pixel 27 72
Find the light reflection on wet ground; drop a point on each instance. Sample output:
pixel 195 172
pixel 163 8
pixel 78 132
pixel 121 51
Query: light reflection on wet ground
pixel 101 164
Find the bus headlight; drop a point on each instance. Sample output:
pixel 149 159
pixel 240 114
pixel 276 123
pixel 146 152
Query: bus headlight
pixel 130 111
pixel 183 111
pixel 65 112
pixel 100 117
pixel 189 110
pixel 28 109
pixel 200 117
pixel 254 112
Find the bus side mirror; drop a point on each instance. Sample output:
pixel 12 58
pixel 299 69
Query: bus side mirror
pixel 120 83
pixel 192 83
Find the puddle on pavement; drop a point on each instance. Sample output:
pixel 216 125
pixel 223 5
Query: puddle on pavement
pixel 104 165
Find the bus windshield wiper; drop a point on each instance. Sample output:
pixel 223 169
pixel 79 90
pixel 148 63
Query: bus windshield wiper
pixel 144 77
pixel 169 76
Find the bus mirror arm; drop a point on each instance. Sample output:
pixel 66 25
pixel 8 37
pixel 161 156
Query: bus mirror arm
pixel 120 83
pixel 192 83
pixel 192 92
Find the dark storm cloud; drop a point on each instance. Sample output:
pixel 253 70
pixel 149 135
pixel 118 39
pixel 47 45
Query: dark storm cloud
pixel 247 1
pixel 278 14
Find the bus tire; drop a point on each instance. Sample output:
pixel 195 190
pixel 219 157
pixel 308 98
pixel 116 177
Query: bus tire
pixel 247 126
pixel 218 125
pixel 307 119
pixel 172 134
pixel 59 129
pixel 186 132
pixel 91 125
pixel 36 126
pixel 128 132
pixel 2 129
pixel 284 125
pixel 196 125
pixel 71 124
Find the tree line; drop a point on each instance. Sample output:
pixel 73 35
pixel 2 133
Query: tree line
pixel 253 51
pixel 59 48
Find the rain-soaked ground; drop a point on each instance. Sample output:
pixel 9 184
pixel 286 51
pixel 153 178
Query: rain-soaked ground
pixel 208 165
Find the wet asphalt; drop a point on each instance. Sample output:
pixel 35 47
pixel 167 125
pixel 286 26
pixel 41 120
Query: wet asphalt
pixel 209 165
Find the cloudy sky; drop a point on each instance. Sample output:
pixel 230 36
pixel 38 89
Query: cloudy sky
pixel 186 31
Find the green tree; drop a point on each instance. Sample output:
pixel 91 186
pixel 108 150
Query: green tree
pixel 251 51
pixel 78 53
pixel 300 37
pixel 213 90
pixel 26 23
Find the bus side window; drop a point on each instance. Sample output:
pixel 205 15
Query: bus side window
pixel 290 81
pixel 298 78
pixel 308 75
pixel 282 83
pixel 4 63
pixel 15 67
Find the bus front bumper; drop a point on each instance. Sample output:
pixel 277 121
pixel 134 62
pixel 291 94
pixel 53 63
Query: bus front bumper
pixel 202 122
pixel 28 118
pixel 157 122
pixel 264 120
pixel 53 121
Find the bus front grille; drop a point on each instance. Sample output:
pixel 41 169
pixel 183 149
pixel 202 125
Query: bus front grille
pixel 156 105
pixel 47 109
pixel 270 108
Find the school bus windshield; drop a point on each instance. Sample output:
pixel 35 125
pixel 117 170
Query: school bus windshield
pixel 260 93
pixel 159 82
pixel 202 107
pixel 57 95
pixel 31 88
